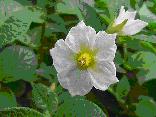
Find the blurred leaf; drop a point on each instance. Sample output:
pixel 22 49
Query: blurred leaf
pixel 118 58
pixel 69 7
pixel 79 108
pixel 131 43
pixel 145 61
pixel 148 38
pixel 24 2
pixel 57 26
pixel 43 3
pixel 7 7
pixel 120 69
pixel 92 19
pixel 22 19
pixel 20 112
pixel 146 107
pixel 32 38
pixel 47 72
pixel 136 3
pixel 146 15
pixel 151 86
pixel 10 29
pixel 123 87
pixel 65 96
pixel 44 98
pixel 17 87
pixel 20 64
pixel 35 14
pixel 7 99
pixel 115 5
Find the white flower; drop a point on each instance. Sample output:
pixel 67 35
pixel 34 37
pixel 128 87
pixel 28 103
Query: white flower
pixel 132 26
pixel 85 59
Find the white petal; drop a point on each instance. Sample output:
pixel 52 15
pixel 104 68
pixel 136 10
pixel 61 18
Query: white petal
pixel 104 75
pixel 76 81
pixel 125 15
pixel 134 26
pixel 62 56
pixel 80 35
pixel 105 43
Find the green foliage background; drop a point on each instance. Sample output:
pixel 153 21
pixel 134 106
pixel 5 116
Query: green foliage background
pixel 28 80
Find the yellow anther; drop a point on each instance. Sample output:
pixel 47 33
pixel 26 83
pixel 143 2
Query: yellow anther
pixel 85 60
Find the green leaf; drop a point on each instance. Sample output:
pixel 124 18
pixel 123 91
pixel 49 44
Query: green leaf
pixel 20 64
pixel 21 19
pixel 24 2
pixel 44 98
pixel 8 34
pixel 92 19
pixel 146 15
pixel 47 72
pixel 8 7
pixel 20 112
pixel 7 99
pixel 79 108
pixel 32 38
pixel 17 87
pixel 44 3
pixel 146 61
pixel 114 6
pixel 65 96
pixel 151 86
pixel 118 58
pixel 148 38
pixel 123 87
pixel 146 107
pixel 57 26
pixel 68 7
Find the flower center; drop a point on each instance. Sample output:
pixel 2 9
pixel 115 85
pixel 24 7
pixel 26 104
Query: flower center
pixel 85 60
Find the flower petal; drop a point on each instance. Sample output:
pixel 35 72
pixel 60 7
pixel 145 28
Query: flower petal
pixel 104 75
pixel 125 15
pixel 134 26
pixel 76 81
pixel 62 56
pixel 105 43
pixel 80 35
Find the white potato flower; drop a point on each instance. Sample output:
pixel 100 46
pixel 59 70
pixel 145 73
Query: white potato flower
pixel 125 23
pixel 85 59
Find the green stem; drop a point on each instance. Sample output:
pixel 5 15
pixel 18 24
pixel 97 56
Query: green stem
pixel 125 52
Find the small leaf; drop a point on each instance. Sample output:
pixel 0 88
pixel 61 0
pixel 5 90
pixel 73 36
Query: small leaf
pixel 44 98
pixel 47 72
pixel 146 107
pixel 20 112
pixel 8 7
pixel 114 6
pixel 7 99
pixel 146 14
pixel 17 25
pixel 57 26
pixel 79 108
pixel 123 87
pixel 92 18
pixel 148 38
pixel 20 64
pixel 146 62
pixel 68 7
pixel 118 58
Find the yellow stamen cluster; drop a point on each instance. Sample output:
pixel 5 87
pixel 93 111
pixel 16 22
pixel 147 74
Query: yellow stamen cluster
pixel 84 60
